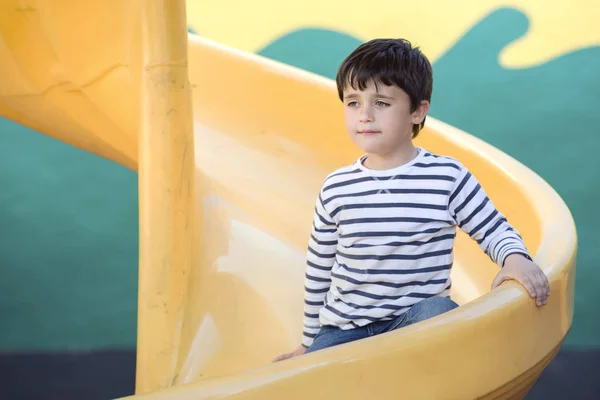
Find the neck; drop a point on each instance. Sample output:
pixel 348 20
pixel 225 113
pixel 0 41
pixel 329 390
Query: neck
pixel 391 160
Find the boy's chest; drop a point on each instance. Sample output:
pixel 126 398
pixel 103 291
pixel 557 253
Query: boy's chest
pixel 388 205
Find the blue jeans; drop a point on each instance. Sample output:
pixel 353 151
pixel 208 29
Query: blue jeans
pixel 330 336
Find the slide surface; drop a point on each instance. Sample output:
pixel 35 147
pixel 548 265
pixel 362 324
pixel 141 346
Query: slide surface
pixel 230 163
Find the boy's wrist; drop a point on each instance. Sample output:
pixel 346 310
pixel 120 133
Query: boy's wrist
pixel 516 256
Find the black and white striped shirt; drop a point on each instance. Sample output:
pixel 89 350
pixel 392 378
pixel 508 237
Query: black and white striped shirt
pixel 383 240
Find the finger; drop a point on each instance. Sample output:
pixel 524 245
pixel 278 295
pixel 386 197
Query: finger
pixel 528 284
pixel 282 357
pixel 542 284
pixel 546 285
pixel 540 291
pixel 542 288
pixel 499 279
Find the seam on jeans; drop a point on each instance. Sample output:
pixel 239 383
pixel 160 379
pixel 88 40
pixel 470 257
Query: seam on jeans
pixel 320 333
pixel 395 326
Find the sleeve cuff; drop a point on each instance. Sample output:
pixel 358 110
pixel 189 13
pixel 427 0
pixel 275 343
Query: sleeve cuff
pixel 307 342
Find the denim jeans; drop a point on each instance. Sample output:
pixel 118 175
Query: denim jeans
pixel 330 336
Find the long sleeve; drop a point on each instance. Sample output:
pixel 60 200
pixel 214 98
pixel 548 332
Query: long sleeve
pixel 320 257
pixel 477 216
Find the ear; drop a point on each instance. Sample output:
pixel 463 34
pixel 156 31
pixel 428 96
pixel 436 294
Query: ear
pixel 419 114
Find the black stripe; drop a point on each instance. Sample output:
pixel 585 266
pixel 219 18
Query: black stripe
pixel 395 256
pixel 508 250
pixel 501 249
pixel 349 182
pixel 382 297
pixel 493 251
pixel 348 316
pixel 323 242
pixel 388 205
pixel 510 228
pixel 346 183
pixel 316 291
pixel 317 327
pixel 420 295
pixel 324 230
pixel 319 254
pixel 389 284
pixel 317 279
pixel 460 186
pixel 392 234
pixel 437 164
pixel 314 303
pixel 310 335
pixel 414 243
pixel 396 271
pixel 484 223
pixel 319 267
pixel 323 220
pixel 321 198
pixel 428 154
pixel 368 307
pixel 514 245
pixel 492 229
pixel 392 219
pixel 391 190
pixel 468 199
pixel 311 315
pixel 354 171
pixel 521 252
pixel 474 213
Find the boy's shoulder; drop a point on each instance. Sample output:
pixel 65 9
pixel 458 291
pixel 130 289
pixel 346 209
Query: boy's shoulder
pixel 343 173
pixel 348 169
pixel 430 158
pixel 452 168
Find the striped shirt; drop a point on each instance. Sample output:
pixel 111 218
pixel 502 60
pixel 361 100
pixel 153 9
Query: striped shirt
pixel 382 240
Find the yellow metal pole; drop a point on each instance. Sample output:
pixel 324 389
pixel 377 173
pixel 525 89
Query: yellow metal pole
pixel 166 154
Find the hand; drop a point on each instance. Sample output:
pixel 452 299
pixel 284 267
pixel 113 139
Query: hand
pixel 298 352
pixel 527 274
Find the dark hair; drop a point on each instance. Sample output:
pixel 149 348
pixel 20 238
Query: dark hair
pixel 391 62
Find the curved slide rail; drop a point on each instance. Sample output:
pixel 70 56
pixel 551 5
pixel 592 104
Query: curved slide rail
pixel 231 150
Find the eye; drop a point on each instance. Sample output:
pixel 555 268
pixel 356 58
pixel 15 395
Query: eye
pixel 352 103
pixel 380 103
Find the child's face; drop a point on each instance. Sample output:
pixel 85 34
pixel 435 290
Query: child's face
pixel 379 120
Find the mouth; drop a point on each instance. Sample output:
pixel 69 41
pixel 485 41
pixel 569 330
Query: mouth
pixel 368 132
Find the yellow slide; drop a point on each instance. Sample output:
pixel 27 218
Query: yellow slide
pixel 231 150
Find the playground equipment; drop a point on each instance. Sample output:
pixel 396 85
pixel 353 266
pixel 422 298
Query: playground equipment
pixel 231 150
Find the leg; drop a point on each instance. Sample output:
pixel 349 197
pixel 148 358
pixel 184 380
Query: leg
pixel 330 336
pixel 425 309
pixel 429 308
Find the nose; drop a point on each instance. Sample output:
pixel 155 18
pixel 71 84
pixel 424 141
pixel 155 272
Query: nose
pixel 366 114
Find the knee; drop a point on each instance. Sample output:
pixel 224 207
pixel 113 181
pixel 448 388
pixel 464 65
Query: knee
pixel 442 304
pixel 432 307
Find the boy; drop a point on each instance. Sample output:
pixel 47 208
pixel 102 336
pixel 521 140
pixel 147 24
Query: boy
pixel 380 252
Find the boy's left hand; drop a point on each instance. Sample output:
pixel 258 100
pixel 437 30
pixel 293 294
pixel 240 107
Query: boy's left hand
pixel 527 274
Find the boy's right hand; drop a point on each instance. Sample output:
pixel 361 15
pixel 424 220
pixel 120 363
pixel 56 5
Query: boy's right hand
pixel 298 352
